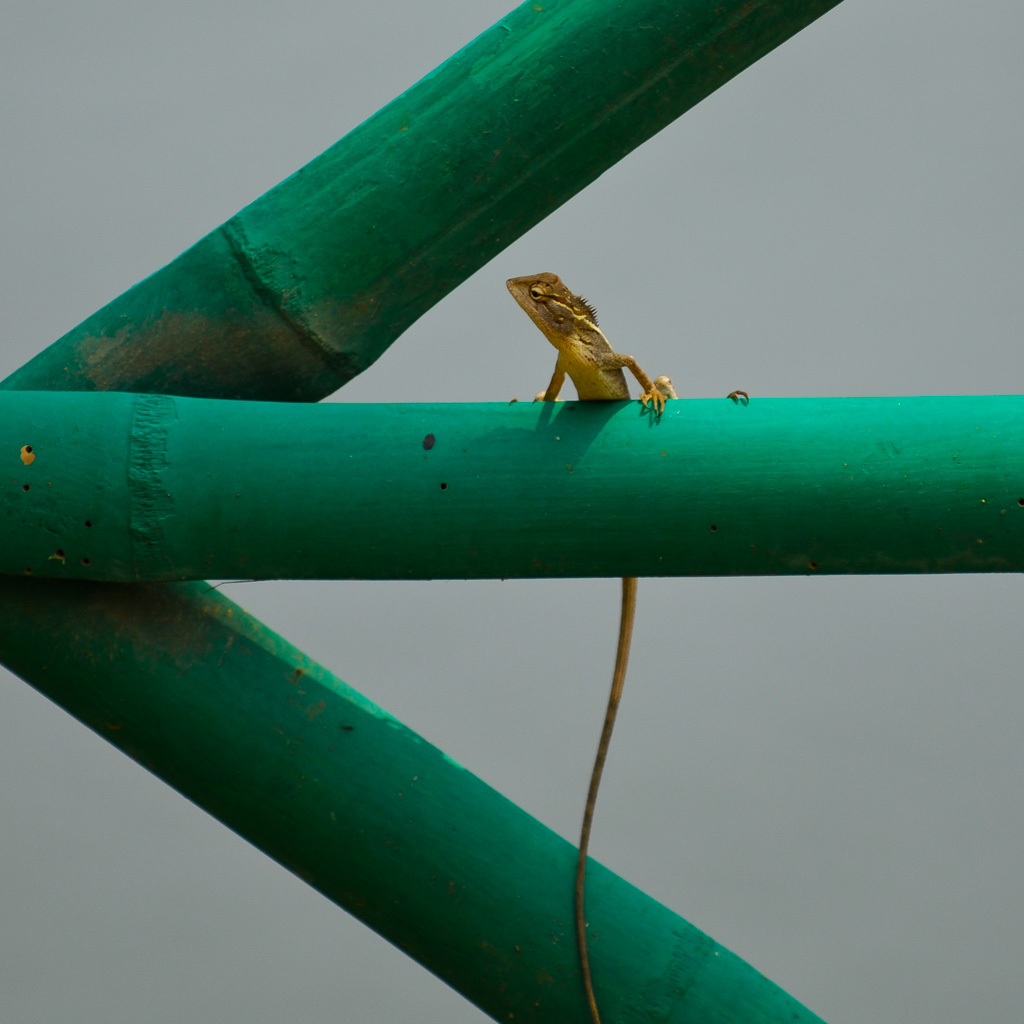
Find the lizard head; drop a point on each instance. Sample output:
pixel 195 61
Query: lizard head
pixel 561 315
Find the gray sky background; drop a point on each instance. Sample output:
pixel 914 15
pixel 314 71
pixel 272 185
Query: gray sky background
pixel 824 774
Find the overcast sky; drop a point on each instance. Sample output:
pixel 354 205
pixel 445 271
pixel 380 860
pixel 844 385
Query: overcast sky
pixel 824 774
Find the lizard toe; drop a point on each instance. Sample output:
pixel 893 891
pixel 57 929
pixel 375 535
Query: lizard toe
pixel 656 400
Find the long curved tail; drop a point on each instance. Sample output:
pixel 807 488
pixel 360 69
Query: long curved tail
pixel 618 681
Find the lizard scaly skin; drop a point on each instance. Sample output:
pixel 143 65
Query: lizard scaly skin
pixel 569 322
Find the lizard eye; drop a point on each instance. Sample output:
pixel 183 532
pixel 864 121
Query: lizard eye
pixel 536 292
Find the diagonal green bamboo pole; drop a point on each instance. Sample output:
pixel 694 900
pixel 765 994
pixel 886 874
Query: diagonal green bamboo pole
pixel 287 301
pixel 306 287
pixel 782 486
pixel 364 810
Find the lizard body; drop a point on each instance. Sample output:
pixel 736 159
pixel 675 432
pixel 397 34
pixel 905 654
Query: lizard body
pixel 569 322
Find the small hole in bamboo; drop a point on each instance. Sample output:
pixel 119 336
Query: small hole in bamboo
pixel 444 487
pixel 88 522
pixel 59 553
pixel 26 487
pixel 812 565
pixel 85 561
pixel 714 529
pixel 1020 501
pixel 28 571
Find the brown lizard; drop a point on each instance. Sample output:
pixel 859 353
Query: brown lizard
pixel 569 322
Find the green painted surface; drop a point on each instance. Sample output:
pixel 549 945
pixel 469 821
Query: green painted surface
pixel 291 298
pixel 782 486
pixel 309 285
pixel 363 809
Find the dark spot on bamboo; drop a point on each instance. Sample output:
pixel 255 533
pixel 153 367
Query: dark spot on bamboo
pixel 428 442
pixel 444 487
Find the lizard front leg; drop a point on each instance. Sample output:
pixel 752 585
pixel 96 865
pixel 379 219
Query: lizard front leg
pixel 653 393
pixel 550 394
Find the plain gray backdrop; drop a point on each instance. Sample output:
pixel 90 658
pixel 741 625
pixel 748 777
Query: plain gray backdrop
pixel 822 773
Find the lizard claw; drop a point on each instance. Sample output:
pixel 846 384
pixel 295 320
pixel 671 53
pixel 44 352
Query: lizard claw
pixel 656 401
pixel 739 396
pixel 662 389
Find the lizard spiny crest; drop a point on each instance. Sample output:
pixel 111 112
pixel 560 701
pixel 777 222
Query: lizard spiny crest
pixel 581 304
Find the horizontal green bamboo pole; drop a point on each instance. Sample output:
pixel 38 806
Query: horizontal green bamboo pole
pixel 364 810
pixel 265 490
pixel 307 286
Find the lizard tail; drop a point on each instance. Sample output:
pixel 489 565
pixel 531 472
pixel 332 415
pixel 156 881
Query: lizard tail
pixel 618 681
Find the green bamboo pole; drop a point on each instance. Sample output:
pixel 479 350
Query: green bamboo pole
pixel 287 301
pixel 306 287
pixel 364 810
pixel 782 486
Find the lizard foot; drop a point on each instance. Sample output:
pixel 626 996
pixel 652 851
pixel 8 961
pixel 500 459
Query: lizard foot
pixel 653 400
pixel 663 388
pixel 739 396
